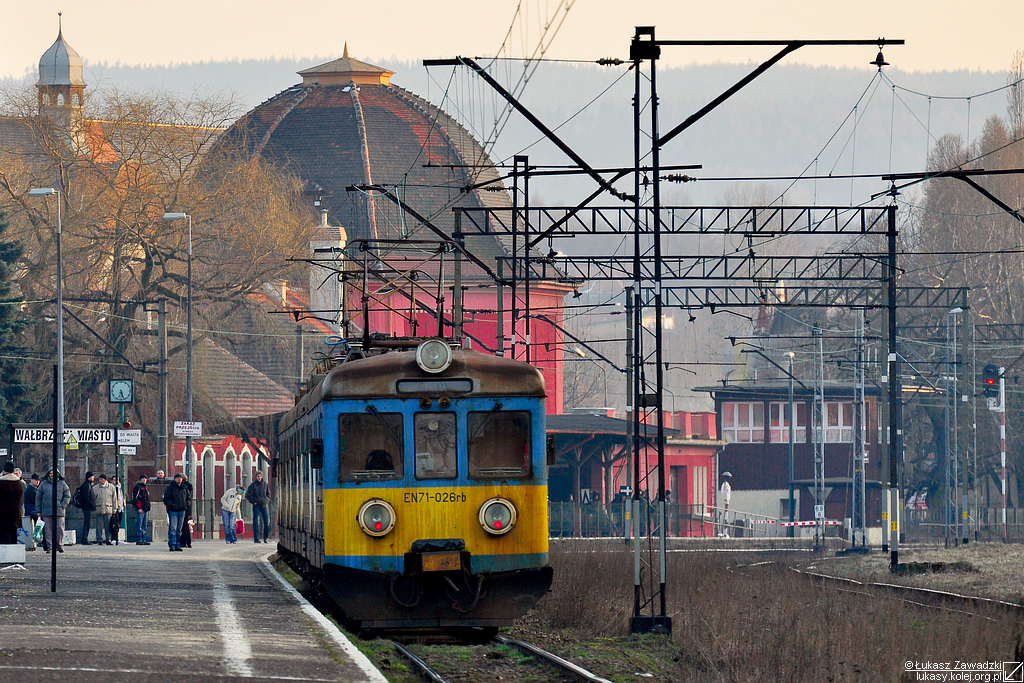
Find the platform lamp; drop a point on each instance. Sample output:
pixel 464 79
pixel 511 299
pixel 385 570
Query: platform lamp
pixel 59 436
pixel 188 340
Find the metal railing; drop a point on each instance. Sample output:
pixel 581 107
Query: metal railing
pixel 930 526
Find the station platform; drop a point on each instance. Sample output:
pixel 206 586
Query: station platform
pixel 214 612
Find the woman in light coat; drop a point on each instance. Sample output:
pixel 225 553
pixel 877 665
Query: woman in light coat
pixel 106 499
pixel 115 518
pixel 230 504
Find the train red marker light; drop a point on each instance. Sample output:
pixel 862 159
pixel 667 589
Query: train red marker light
pixel 497 516
pixel 376 517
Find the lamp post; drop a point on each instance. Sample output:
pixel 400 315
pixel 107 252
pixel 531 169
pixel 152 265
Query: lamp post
pixel 59 436
pixel 188 341
pixel 951 456
pixel 792 420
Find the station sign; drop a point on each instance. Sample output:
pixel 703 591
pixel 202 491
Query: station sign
pixel 129 437
pixel 127 450
pixel 71 435
pixel 193 429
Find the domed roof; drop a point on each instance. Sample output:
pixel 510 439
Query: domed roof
pixel 347 125
pixel 60 65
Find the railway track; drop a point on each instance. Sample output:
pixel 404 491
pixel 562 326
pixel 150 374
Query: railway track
pixel 918 597
pixel 563 666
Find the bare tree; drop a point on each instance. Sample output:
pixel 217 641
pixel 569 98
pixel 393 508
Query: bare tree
pixel 127 160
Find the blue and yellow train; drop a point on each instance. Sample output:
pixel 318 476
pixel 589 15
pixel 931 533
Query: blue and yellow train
pixel 413 484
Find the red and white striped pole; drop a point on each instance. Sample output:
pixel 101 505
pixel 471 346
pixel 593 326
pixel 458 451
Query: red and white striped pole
pixel 1002 443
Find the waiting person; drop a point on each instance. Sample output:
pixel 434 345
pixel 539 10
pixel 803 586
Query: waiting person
pixel 258 495
pixel 53 527
pixel 724 498
pixel 186 525
pixel 105 500
pixel 175 500
pixel 87 502
pixel 141 503
pixel 115 519
pixel 30 498
pixel 12 494
pixel 230 505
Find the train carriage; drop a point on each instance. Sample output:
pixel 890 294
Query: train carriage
pixel 415 483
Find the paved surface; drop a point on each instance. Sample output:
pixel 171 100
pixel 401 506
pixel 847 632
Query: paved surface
pixel 215 612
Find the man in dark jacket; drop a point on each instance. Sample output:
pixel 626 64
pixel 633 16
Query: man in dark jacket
pixel 258 496
pixel 87 502
pixel 141 503
pixel 176 501
pixel 12 494
pixel 53 528
pixel 30 498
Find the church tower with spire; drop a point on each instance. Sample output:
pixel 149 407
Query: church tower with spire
pixel 61 87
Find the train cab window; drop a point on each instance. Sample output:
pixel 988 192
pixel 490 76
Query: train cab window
pixel 499 444
pixel 370 446
pixel 435 446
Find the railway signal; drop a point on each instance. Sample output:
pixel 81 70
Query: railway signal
pixel 990 381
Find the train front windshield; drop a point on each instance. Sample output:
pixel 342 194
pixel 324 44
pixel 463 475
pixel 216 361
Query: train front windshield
pixel 446 445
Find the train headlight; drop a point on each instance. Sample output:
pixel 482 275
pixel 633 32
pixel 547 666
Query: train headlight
pixel 433 355
pixel 376 517
pixel 498 516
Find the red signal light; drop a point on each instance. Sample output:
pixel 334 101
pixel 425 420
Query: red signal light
pixel 989 380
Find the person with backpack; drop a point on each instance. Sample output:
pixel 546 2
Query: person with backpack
pixel 86 502
pixel 53 528
pixel 176 502
pixel 141 503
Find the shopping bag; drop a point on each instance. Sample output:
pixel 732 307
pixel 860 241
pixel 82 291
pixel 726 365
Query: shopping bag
pixel 37 531
pixel 239 527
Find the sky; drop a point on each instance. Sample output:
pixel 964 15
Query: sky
pixel 940 34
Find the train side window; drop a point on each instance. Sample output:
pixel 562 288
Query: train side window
pixel 436 439
pixel 499 444
pixel 370 446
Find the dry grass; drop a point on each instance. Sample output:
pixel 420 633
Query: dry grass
pixel 743 623
pixel 995 569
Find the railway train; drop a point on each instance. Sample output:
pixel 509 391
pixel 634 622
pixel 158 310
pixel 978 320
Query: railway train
pixel 413 484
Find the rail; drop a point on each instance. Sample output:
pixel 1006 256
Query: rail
pixel 563 664
pixel 422 668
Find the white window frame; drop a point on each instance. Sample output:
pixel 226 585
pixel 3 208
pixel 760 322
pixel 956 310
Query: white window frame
pixel 778 412
pixel 839 420
pixel 743 421
pixel 699 500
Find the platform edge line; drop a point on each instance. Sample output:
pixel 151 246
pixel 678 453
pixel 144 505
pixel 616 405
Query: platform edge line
pixel 358 658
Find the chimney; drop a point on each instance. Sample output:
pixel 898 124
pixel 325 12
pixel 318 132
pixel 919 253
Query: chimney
pixel 323 217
